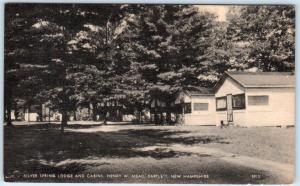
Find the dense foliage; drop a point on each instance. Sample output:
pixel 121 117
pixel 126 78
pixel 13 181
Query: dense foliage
pixel 67 55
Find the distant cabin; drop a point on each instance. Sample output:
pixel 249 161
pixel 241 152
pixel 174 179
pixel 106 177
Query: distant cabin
pixel 256 99
pixel 196 105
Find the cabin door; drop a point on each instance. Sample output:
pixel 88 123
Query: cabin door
pixel 229 108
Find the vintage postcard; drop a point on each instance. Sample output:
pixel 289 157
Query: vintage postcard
pixel 149 93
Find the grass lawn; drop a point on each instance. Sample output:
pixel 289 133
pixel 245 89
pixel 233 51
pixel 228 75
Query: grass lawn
pixel 150 151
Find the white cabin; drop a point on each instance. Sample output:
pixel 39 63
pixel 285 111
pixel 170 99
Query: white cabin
pixel 197 106
pixel 256 99
pixel 32 116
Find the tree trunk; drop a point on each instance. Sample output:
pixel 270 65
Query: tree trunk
pixel 28 114
pixel 118 115
pixel 162 118
pixel 64 120
pixel 74 113
pixel 9 123
pixel 16 111
pixel 140 117
pixel 156 118
pixel 40 113
pixel 8 103
pixel 168 116
pixel 89 112
pixel 121 115
pixel 94 114
pixel 105 118
pixel 24 113
pixel 49 116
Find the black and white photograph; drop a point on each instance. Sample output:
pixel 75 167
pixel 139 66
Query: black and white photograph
pixel 149 93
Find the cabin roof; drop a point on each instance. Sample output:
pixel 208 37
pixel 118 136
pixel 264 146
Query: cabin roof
pixel 263 79
pixel 197 91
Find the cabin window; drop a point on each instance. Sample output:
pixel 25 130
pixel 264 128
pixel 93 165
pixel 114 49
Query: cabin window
pixel 238 101
pixel 187 108
pixel 200 106
pixel 221 103
pixel 258 100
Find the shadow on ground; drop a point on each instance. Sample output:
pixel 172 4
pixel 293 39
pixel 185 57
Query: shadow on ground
pixel 171 137
pixel 42 148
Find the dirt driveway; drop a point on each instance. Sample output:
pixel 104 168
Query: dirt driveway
pixel 154 154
